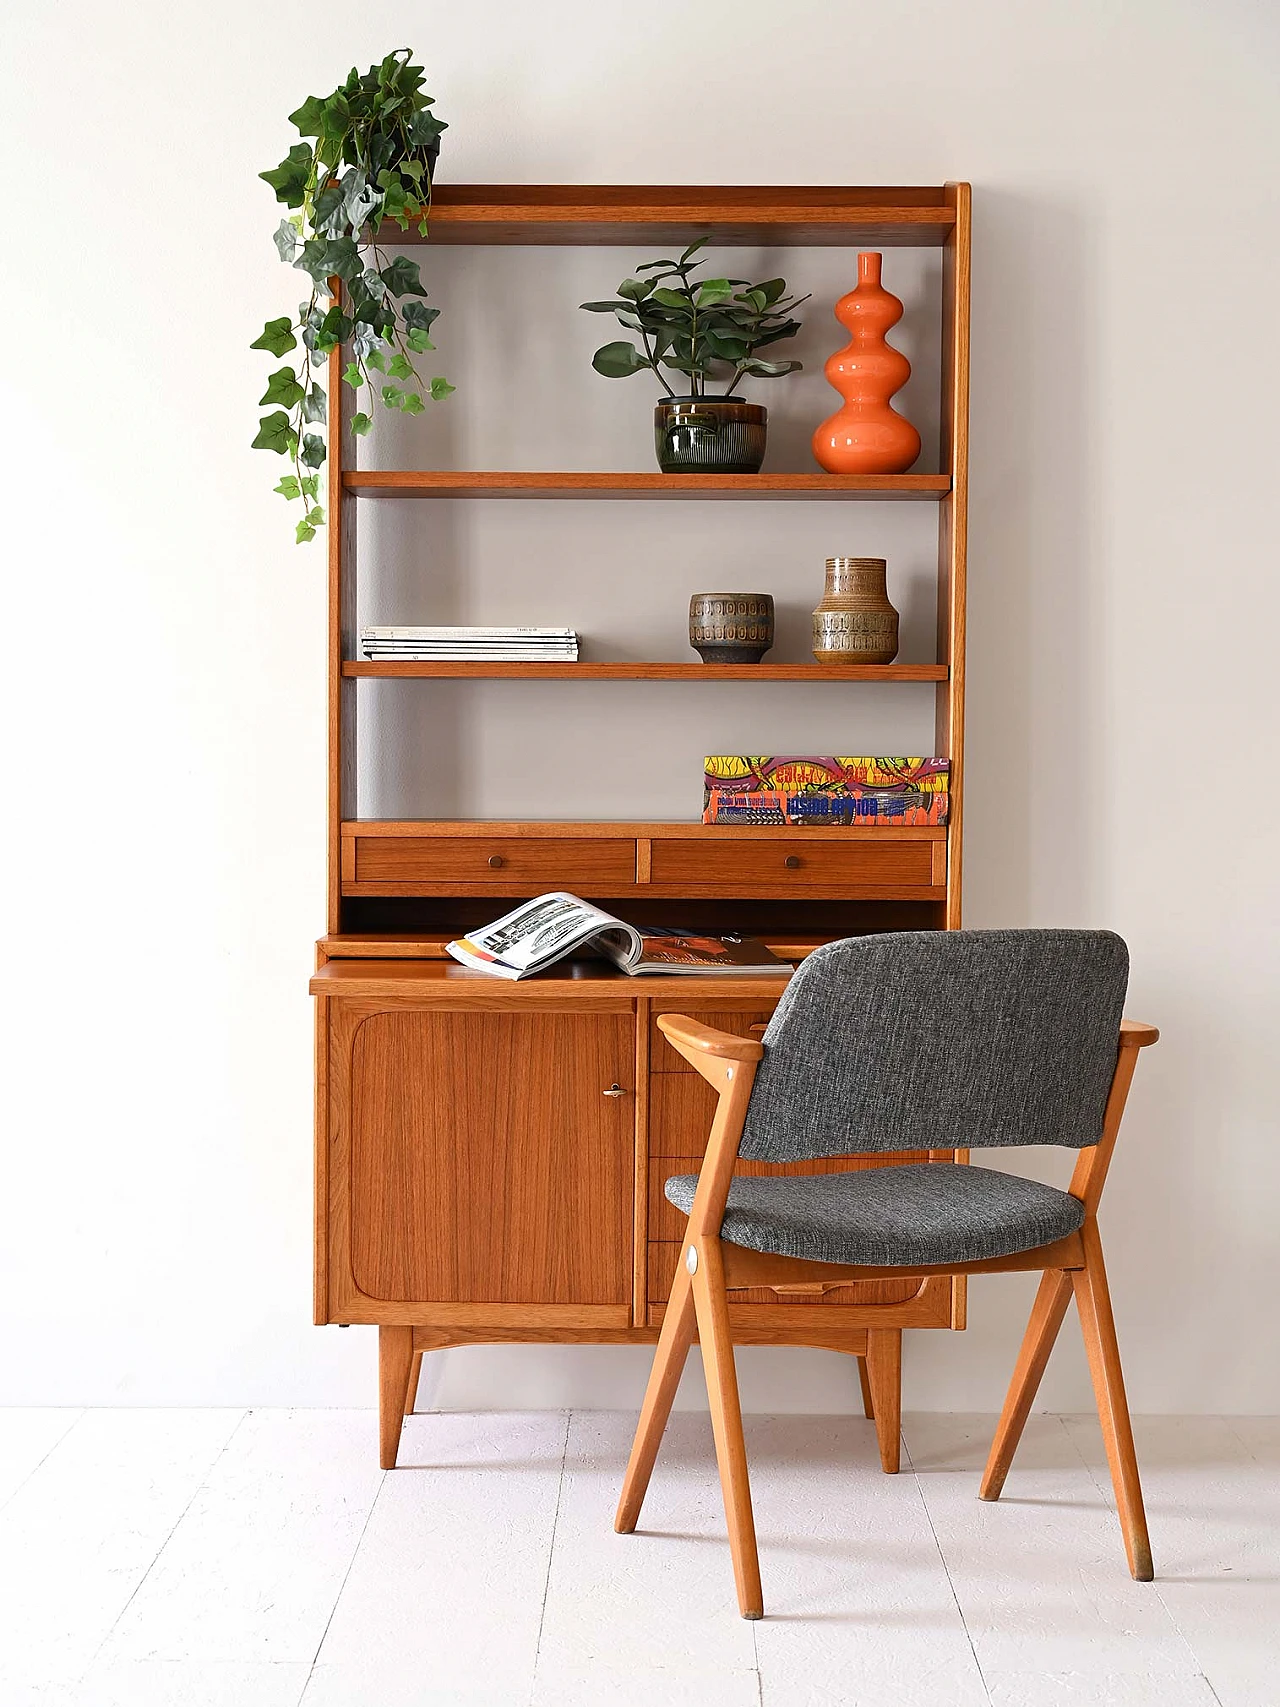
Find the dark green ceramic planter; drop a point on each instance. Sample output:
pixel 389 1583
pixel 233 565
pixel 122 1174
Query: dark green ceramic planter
pixel 709 435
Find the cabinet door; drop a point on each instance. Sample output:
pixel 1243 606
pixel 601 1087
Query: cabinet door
pixel 486 1163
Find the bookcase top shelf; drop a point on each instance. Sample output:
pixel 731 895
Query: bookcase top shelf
pixel 413 483
pixel 643 672
pixel 919 216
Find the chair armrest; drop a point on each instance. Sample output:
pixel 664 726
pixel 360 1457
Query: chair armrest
pixel 707 1049
pixel 1134 1034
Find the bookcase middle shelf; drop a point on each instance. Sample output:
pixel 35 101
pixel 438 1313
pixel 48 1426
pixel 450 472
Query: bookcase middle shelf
pixel 648 672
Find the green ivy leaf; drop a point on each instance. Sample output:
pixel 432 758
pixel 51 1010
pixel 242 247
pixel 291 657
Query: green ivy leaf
pixel 322 258
pixel 277 337
pixel 286 240
pixel 315 406
pixel 316 517
pixel 418 340
pixel 305 532
pixel 412 404
pixel 440 389
pixel 290 178
pixel 309 118
pixel 401 277
pixel 311 486
pixel 283 388
pixel 313 452
pixel 376 358
pixel 288 487
pixel 353 377
pixel 417 314
pixel 400 367
pixel 392 397
pixel 360 425
pixel 274 433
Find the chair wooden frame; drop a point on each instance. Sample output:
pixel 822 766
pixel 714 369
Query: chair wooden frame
pixel 713 1268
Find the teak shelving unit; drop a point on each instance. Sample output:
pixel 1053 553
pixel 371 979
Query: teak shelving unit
pixel 490 1156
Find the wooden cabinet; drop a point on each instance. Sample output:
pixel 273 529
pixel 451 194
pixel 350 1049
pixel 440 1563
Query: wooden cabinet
pixel 491 1159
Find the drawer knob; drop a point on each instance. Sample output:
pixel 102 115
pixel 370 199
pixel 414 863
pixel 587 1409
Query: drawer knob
pixel 496 861
pixel 792 862
pixel 615 1090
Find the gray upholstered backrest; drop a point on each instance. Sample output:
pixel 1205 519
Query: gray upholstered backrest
pixel 933 1039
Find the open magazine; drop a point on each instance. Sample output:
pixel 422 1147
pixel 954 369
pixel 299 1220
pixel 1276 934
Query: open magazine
pixel 550 927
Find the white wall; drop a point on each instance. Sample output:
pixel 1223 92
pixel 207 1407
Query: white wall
pixel 163 854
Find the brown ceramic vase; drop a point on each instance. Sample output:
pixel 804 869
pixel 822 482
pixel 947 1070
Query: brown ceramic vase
pixel 855 623
pixel 731 628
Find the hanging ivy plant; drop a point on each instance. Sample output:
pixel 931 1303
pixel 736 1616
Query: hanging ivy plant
pixel 368 155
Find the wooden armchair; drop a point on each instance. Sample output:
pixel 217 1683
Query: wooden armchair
pixel 909 1041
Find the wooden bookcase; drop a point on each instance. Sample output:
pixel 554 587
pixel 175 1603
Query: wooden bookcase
pixel 489 1155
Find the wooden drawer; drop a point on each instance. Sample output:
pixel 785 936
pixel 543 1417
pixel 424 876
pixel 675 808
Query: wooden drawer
pixel 486 865
pixel 861 868
pixel 664 1059
pixel 668 1222
pixel 664 1255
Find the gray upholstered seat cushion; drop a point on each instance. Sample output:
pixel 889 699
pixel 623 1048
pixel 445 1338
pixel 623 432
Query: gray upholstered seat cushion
pixel 926 1212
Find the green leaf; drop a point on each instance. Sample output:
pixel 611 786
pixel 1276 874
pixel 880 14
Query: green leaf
pixel 353 377
pixel 770 370
pixel 305 532
pixel 614 361
pixel 418 314
pixel 672 299
pixel 316 517
pixel 311 486
pixel 401 277
pixel 440 389
pixel 277 337
pixel 309 116
pixel 418 340
pixel 360 425
pixel 698 243
pixel 424 129
pixel 771 289
pixel 285 240
pixel 712 291
pixel 313 452
pixel 315 404
pixel 274 433
pixel 283 388
pixel 400 367
pixel 392 396
pixel 322 258
pixel 288 487
pixel 290 178
pixel 376 357
pixel 412 404
pixel 635 289
pixel 605 307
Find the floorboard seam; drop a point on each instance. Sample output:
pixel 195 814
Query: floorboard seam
pixel 44 1460
pixel 551 1551
pixel 159 1552
pixel 946 1570
pixel 364 1529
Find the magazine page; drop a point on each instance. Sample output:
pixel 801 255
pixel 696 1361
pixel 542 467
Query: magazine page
pixel 541 931
pixel 670 951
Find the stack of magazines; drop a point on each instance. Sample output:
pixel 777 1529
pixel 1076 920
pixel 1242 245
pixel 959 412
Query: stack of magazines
pixel 474 645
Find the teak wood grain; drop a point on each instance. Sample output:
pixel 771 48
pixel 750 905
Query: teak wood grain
pixel 839 868
pixel 492 865
pixel 413 483
pixel 483 1149
pixel 583 671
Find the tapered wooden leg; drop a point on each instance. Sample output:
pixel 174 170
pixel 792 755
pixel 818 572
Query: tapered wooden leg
pixel 1042 1330
pixel 884 1371
pixel 714 1336
pixel 864 1381
pixel 415 1376
pixel 395 1359
pixel 664 1377
pixel 1093 1300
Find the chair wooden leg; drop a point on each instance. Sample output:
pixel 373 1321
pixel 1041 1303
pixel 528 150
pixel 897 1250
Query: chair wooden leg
pixel 864 1381
pixel 415 1377
pixel 1042 1330
pixel 712 1306
pixel 1093 1301
pixel 664 1377
pixel 395 1360
pixel 884 1372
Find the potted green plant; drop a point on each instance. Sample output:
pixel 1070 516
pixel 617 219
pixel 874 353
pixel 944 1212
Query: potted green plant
pixel 368 155
pixel 701 330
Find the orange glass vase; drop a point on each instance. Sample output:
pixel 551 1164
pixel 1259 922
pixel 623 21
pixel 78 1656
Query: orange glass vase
pixel 867 435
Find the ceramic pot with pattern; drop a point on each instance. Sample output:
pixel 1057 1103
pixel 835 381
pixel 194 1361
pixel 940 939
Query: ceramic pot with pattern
pixel 731 628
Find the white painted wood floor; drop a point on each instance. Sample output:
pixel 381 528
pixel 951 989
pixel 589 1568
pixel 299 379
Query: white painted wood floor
pixel 261 1559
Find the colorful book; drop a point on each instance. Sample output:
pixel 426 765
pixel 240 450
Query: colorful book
pixel 808 789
